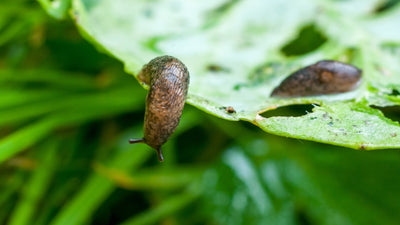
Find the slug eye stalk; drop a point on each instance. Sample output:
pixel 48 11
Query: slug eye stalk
pixel 141 140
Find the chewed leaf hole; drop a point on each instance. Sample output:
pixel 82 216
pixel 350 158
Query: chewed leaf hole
pixel 290 111
pixel 308 40
pixel 391 112
pixel 395 92
pixel 385 5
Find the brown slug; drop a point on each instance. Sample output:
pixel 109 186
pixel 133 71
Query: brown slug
pixel 168 79
pixel 323 77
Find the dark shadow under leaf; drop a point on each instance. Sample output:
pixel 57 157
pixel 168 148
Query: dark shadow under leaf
pixel 290 110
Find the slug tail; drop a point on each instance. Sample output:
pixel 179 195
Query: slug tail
pixel 160 155
pixel 133 141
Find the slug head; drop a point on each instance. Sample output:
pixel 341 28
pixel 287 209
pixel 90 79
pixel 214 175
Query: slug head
pixel 153 69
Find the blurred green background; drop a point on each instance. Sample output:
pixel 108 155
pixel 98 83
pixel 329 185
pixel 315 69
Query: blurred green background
pixel 67 112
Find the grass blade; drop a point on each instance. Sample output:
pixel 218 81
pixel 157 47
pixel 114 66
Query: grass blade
pixel 36 187
pixel 98 187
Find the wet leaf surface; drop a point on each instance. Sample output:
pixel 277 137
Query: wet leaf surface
pixel 233 50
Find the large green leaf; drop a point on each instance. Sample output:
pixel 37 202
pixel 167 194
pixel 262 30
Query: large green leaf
pixel 237 52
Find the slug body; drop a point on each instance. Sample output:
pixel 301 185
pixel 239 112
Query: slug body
pixel 323 77
pixel 168 79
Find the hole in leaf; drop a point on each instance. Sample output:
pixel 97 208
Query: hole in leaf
pixel 290 111
pixel 385 5
pixel 391 112
pixel 308 40
pixel 395 92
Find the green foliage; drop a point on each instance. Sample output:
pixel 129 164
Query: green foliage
pixel 312 185
pixel 67 112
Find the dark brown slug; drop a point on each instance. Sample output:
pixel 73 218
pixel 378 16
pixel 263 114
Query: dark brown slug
pixel 323 77
pixel 168 79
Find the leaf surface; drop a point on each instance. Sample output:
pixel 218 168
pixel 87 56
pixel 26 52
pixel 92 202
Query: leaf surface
pixel 236 54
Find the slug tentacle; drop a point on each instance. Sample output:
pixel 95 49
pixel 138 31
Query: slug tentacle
pixel 160 155
pixel 168 79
